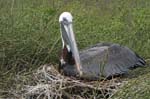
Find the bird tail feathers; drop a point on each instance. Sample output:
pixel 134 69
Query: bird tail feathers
pixel 140 62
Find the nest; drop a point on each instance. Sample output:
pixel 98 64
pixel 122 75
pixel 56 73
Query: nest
pixel 48 83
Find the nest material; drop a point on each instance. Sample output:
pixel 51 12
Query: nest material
pixel 50 84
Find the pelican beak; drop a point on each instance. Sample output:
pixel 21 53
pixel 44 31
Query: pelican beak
pixel 69 40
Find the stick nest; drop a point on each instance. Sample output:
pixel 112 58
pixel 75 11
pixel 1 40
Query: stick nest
pixel 48 83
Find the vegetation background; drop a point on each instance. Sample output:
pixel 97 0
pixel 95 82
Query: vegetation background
pixel 30 35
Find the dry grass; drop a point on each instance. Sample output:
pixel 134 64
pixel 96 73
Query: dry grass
pixel 48 83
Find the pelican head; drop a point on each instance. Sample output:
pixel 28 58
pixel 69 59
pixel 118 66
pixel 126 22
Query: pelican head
pixel 65 16
pixel 68 38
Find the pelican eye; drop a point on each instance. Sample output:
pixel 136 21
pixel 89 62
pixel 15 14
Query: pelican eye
pixel 66 22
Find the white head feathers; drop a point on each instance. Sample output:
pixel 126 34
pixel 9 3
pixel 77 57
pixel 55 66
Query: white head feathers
pixel 65 16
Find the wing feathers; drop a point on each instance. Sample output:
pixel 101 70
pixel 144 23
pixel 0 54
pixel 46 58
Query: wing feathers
pixel 119 60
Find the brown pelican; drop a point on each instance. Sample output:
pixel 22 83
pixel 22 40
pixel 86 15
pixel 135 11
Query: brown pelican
pixel 100 60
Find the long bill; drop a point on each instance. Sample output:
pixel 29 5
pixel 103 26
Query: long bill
pixel 69 39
